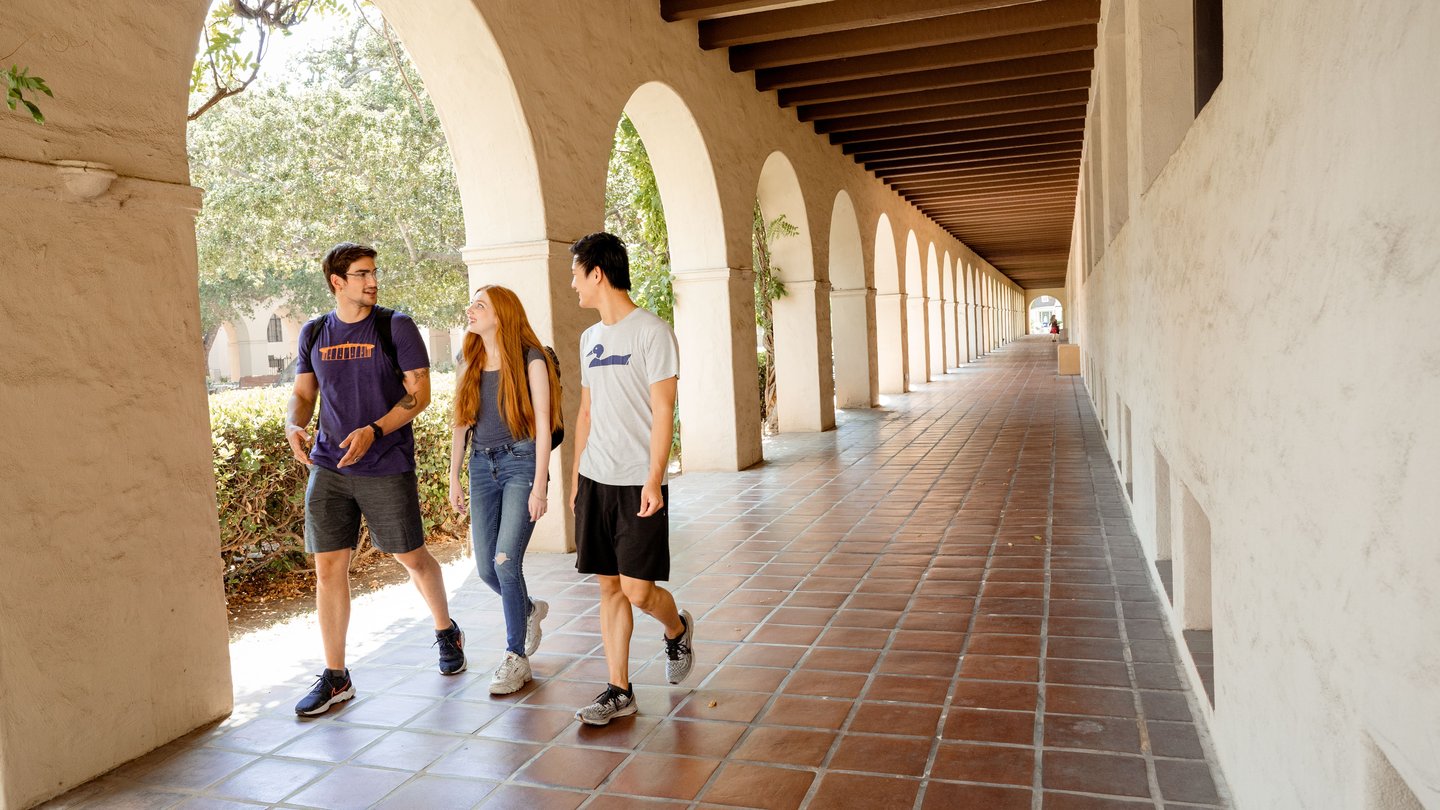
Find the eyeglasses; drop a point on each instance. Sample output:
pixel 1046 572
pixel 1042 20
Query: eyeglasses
pixel 365 274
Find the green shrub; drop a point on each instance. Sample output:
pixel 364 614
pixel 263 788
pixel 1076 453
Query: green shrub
pixel 261 488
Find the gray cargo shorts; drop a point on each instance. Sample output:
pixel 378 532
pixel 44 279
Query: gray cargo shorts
pixel 390 504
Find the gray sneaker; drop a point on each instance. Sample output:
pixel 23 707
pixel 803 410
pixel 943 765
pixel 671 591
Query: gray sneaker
pixel 608 705
pixel 539 609
pixel 512 674
pixel 680 652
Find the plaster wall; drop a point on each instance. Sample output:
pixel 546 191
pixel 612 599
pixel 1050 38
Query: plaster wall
pixel 1271 256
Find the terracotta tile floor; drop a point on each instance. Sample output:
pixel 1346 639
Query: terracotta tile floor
pixel 941 604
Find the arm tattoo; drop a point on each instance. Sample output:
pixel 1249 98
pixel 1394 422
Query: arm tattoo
pixel 408 403
pixel 418 374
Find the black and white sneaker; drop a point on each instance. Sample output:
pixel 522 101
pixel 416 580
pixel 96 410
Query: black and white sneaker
pixel 328 691
pixel 452 649
pixel 680 651
pixel 612 703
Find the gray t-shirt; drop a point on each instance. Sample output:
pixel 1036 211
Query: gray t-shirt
pixel 619 363
pixel 490 427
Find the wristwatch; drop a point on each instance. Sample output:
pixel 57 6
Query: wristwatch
pixel 379 434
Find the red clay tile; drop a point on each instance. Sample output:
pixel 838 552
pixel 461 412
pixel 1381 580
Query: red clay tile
pixel 951 796
pixel 583 768
pixel 990 726
pixel 743 785
pixel 902 756
pixel 853 791
pixel 789 746
pixel 1094 773
pixel 662 776
pixel 995 764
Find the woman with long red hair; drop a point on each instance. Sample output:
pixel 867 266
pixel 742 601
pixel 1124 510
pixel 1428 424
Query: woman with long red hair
pixel 507 402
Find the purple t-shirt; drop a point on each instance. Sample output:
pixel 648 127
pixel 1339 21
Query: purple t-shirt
pixel 358 386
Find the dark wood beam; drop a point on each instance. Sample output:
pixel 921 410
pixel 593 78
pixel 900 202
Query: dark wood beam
pixel 976 148
pixel 1049 202
pixel 966 160
pixel 1051 174
pixel 1077 80
pixel 676 10
pixel 825 18
pixel 998 49
pixel 883 86
pixel 988 171
pixel 1067 115
pixel 962 138
pixel 953 112
pixel 947 31
pixel 939 204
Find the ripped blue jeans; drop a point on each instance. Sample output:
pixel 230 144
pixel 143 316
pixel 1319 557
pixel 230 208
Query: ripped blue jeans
pixel 500 482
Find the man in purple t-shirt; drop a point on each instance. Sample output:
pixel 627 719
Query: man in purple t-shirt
pixel 371 373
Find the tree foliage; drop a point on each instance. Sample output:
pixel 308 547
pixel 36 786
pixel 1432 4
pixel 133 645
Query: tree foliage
pixel 18 82
pixel 768 288
pixel 236 39
pixel 349 150
pixel 634 213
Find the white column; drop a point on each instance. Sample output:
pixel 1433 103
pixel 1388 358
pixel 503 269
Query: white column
pixel 918 338
pixel 938 349
pixel 850 332
pixel 719 403
pixel 539 274
pixel 804 377
pixel 890 343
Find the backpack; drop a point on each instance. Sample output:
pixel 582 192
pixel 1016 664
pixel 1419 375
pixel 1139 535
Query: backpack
pixel 383 333
pixel 557 436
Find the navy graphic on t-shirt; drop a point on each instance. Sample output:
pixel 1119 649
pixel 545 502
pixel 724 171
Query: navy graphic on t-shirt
pixel 613 360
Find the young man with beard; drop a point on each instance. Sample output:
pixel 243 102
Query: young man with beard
pixel 370 370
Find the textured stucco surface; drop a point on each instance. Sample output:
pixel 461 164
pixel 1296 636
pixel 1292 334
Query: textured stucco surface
pixel 1258 313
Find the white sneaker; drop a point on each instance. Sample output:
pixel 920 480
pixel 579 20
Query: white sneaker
pixel 512 674
pixel 539 610
pixel 608 705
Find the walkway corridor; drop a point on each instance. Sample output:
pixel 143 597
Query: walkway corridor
pixel 941 604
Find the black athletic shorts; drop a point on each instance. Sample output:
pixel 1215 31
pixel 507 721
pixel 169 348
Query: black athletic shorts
pixel 611 539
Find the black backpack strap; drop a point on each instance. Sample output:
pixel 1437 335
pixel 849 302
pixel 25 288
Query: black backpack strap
pixel 383 331
pixel 312 334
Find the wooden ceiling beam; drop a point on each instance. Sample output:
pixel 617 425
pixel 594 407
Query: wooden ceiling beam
pixel 998 49
pixel 1076 80
pixel 949 184
pixel 992 171
pixel 677 10
pixel 826 18
pixel 976 148
pixel 918 81
pixel 954 112
pixel 966 160
pixel 881 134
pixel 938 31
pixel 963 138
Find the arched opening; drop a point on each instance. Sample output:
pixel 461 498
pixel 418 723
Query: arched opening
pixel 889 312
pixel 1042 311
pixel 718 410
pixel 935 311
pixel 804 384
pixel 851 308
pixel 953 339
pixel 917 318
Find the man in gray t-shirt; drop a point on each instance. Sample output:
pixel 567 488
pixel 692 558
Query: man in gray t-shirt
pixel 629 366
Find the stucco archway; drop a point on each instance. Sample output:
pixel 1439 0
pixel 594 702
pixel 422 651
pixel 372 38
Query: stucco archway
pixel 718 429
pixel 804 383
pixel 889 312
pixel 851 308
pixel 935 312
pixel 917 318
